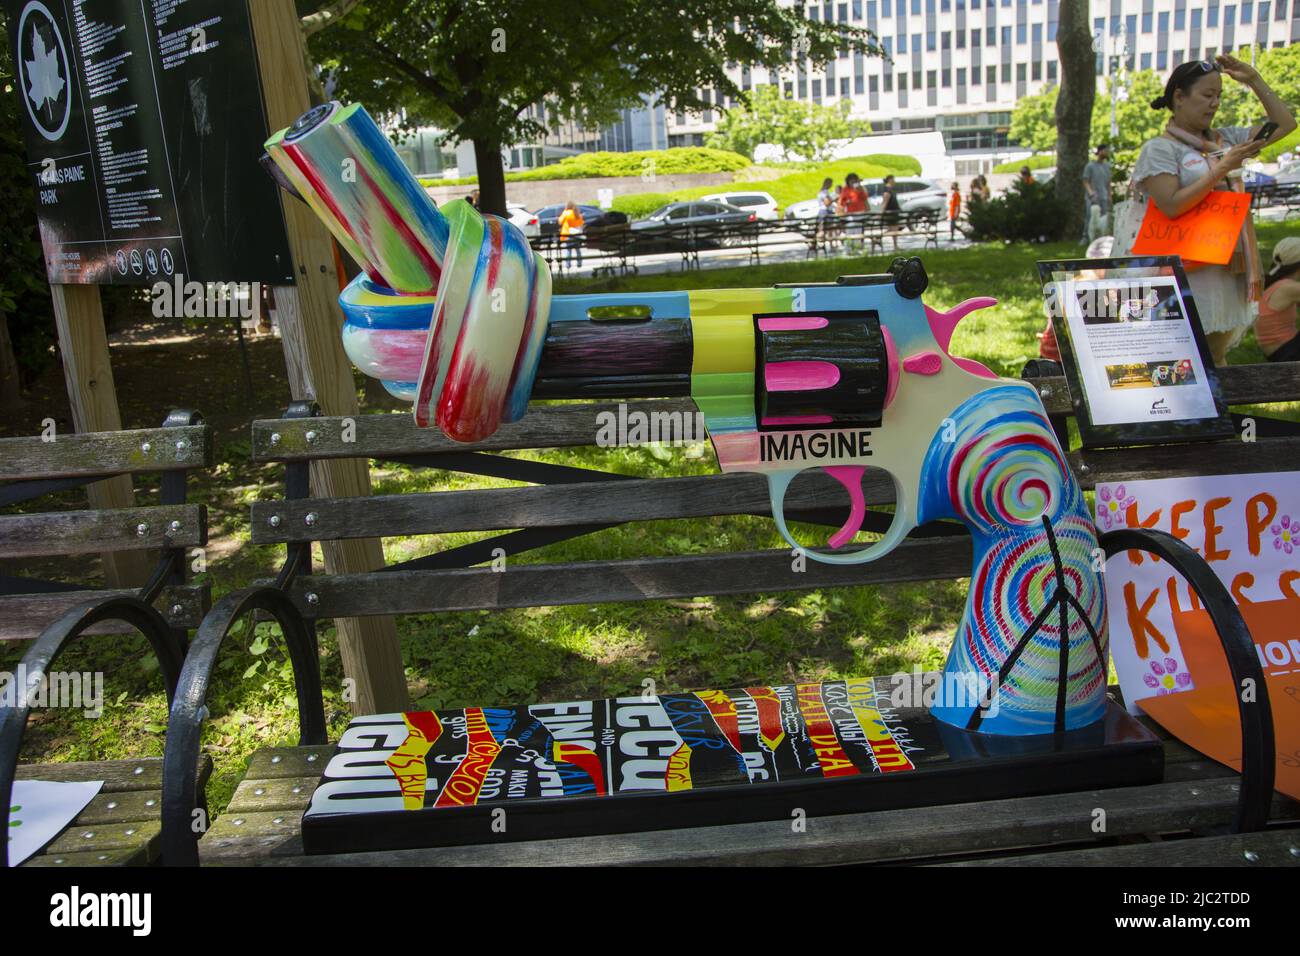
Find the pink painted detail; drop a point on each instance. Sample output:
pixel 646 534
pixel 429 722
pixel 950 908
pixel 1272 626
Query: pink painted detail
pixel 798 420
pixel 923 363
pixel 891 361
pixel 792 323
pixel 800 376
pixel 850 476
pixel 943 323
pixel 974 367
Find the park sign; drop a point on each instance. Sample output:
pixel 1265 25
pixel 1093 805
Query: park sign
pixel 143 124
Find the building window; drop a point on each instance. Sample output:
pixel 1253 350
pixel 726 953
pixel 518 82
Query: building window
pixel 844 86
pixel 1006 72
pixel 889 82
pixel 961 39
pixel 1051 71
pixel 929 39
pixel 1247 11
pixel 1036 72
pixel 1146 61
pixel 916 79
pixel 946 41
pixel 931 79
pixel 947 79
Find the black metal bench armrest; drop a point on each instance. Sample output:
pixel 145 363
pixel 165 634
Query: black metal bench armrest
pixel 1257 745
pixel 36 665
pixel 189 710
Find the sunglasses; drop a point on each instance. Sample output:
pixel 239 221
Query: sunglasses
pixel 1209 66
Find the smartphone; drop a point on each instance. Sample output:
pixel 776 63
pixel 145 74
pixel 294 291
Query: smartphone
pixel 1265 131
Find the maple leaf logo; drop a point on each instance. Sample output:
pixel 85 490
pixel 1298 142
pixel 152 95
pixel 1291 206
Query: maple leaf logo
pixel 43 74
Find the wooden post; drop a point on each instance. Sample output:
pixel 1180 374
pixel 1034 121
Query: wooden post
pixel 88 371
pixel 318 368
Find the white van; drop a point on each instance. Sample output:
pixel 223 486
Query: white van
pixel 760 204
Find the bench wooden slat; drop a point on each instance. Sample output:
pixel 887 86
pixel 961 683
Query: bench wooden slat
pixel 1268 848
pixel 575 423
pixel 1184 461
pixel 118 529
pixel 119 776
pixel 109 836
pixel 105 453
pixel 850 838
pixel 127 856
pixel 545 426
pixel 637 579
pixel 649 499
pixel 25 616
pixel 597 502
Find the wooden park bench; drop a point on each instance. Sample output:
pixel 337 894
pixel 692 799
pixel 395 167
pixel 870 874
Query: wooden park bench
pixel 262 824
pixel 122 823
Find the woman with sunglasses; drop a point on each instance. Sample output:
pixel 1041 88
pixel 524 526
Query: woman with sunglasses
pixel 1190 159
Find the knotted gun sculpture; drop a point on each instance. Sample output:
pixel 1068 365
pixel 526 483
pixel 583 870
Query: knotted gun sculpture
pixel 454 313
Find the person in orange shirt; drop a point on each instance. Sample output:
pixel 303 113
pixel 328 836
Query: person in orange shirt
pixel 571 223
pixel 853 200
pixel 1275 329
pixel 954 210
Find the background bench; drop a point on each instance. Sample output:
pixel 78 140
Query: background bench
pixel 121 825
pixel 263 819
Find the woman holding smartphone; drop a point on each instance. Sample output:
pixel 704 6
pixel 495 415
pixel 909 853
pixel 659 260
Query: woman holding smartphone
pixel 1190 159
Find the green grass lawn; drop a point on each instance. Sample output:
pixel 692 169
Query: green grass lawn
pixel 557 653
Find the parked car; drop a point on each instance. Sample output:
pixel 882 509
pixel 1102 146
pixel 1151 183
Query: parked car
pixel 522 218
pixel 914 195
pixel 804 209
pixel 546 221
pixel 761 204
pixel 697 212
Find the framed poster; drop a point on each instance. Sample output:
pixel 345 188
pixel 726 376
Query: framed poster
pixel 1135 357
pixel 143 124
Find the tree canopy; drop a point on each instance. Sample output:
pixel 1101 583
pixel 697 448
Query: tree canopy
pixel 1033 123
pixel 476 68
pixel 803 130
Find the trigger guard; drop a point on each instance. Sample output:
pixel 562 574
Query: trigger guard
pixel 778 484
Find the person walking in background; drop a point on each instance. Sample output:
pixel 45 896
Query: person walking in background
pixel 1190 159
pixel 571 223
pixel 1096 202
pixel 1275 329
pixel 825 209
pixel 979 189
pixel 1026 176
pixel 890 207
pixel 954 210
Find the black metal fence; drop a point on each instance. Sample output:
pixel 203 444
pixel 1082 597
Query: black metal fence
pixel 617 249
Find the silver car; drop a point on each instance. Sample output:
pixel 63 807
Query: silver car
pixel 914 195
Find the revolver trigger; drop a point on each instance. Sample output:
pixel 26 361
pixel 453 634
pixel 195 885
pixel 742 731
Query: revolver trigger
pixel 850 476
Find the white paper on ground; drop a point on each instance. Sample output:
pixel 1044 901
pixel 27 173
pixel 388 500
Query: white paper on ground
pixel 41 809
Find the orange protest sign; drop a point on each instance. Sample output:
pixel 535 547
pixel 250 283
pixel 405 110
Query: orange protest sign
pixel 1205 233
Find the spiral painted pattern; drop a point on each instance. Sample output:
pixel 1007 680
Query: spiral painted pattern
pixel 999 469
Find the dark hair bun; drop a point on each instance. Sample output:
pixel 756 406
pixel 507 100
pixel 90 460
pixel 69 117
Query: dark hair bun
pixel 1160 103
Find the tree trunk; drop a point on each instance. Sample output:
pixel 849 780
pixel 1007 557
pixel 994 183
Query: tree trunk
pixel 10 385
pixel 491 177
pixel 1074 109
